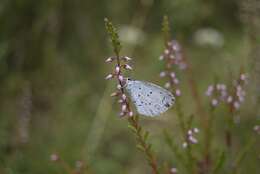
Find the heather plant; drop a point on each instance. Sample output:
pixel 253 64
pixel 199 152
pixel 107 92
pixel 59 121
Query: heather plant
pixel 189 159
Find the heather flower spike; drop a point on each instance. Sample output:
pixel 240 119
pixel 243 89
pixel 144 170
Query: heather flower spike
pixel 190 137
pixel 233 96
pixel 118 70
pixel 172 57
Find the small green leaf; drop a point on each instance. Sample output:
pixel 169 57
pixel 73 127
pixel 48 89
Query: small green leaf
pixel 146 134
pixel 219 163
pixel 140 147
pixel 166 29
pixel 112 32
pixel 132 128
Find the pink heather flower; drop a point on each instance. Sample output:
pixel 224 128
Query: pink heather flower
pixel 214 102
pixel 209 90
pixel 173 170
pixel 163 74
pixel 257 129
pixel 130 113
pixel 121 78
pixel 236 105
pixel 117 69
pixel 176 81
pixel 173 75
pixel 190 139
pixel 190 132
pixel 229 99
pixel 54 157
pixel 124 107
pixel 193 140
pixel 234 96
pixel 178 92
pixel 79 164
pixel 244 77
pixel 118 74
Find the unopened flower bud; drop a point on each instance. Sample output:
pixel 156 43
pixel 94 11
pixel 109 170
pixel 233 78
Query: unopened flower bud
pixel 166 51
pixel 196 130
pixel 114 94
pixel 119 86
pixel 126 58
pixel 123 97
pixel 109 76
pixel 161 57
pixel 184 145
pixel 128 67
pixel 229 99
pixel 167 85
pixel 110 59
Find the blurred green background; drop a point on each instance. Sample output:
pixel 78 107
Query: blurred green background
pixel 54 98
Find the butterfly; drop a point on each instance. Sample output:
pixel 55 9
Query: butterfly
pixel 148 98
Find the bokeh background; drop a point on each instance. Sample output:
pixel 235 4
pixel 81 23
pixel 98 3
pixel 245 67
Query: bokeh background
pixel 54 98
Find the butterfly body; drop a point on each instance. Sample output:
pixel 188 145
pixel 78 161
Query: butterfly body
pixel 149 99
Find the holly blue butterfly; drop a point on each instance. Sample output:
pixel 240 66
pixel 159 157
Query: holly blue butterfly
pixel 148 98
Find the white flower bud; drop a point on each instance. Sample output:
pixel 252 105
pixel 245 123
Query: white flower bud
pixel 110 59
pixel 128 67
pixel 109 76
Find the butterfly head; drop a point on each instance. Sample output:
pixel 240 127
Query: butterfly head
pixel 128 81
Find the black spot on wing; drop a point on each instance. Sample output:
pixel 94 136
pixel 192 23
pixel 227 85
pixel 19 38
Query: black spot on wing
pixel 167 105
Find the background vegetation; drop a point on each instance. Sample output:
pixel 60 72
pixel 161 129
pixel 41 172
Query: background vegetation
pixel 54 99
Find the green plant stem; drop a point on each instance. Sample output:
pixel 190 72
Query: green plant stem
pixel 142 143
pixel 174 148
pixel 219 162
pixel 242 155
pixel 184 129
pixel 208 140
